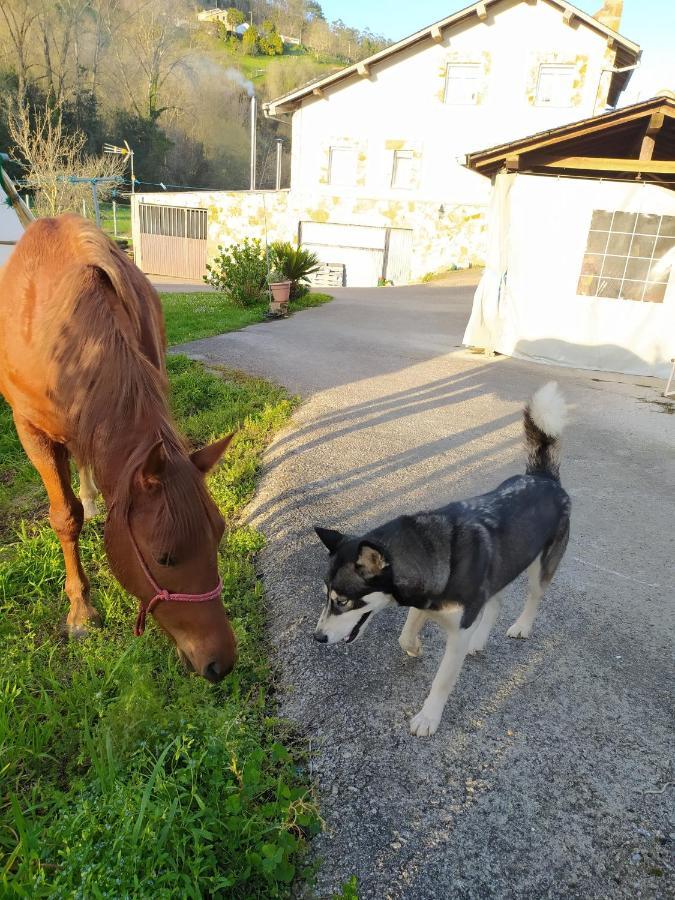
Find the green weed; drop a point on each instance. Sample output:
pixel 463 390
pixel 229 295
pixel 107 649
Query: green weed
pixel 190 317
pixel 120 776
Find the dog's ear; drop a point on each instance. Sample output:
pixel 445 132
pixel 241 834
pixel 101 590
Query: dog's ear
pixel 329 538
pixel 370 561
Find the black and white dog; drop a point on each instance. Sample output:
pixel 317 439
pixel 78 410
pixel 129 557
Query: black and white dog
pixel 449 565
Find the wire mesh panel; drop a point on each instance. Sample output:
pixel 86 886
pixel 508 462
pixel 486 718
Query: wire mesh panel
pixel 173 240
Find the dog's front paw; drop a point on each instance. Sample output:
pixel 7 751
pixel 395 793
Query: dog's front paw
pixel 412 648
pixel 424 724
pixel 519 630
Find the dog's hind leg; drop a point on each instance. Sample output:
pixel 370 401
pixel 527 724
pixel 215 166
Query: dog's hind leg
pixel 487 620
pixel 409 639
pixel 540 574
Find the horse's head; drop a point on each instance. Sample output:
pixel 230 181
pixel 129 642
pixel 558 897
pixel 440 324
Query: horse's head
pixel 162 540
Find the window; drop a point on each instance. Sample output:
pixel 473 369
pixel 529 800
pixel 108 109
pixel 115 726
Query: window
pixel 462 83
pixel 342 166
pixel 402 174
pixel 554 87
pixel 628 256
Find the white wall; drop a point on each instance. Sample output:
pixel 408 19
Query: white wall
pixel 10 229
pixel 527 303
pixel 402 103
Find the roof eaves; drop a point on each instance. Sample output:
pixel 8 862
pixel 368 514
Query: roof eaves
pixel 299 94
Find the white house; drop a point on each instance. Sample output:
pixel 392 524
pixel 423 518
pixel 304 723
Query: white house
pixel 377 181
pixel 581 246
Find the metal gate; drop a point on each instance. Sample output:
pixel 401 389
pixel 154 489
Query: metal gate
pixel 173 240
pixel 368 253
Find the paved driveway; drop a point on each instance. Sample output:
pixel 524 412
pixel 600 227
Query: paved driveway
pixel 536 782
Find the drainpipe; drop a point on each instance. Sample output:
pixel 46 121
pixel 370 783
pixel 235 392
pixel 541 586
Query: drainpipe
pixel 278 178
pixel 253 141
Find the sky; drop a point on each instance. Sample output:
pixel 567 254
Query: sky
pixel 650 23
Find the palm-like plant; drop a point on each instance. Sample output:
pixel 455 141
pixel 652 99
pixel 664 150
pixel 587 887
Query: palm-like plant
pixel 295 264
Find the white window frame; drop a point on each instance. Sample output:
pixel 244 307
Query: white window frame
pixel 471 73
pixel 555 102
pixel 333 153
pixel 407 155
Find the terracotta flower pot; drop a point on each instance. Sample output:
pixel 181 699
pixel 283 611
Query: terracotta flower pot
pixel 281 291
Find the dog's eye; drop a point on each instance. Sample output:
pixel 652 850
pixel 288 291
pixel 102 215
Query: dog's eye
pixel 166 559
pixel 343 602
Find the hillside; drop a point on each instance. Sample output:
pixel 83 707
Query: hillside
pixel 154 75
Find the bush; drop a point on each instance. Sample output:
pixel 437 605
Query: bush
pixel 295 264
pixel 249 41
pixel 241 272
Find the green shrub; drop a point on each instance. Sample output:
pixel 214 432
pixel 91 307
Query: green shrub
pixel 295 264
pixel 250 41
pixel 240 271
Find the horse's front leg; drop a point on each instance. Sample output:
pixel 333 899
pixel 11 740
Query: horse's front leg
pixel 66 517
pixel 88 492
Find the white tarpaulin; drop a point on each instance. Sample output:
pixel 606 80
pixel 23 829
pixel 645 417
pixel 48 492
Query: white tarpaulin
pixel 10 228
pixel 578 273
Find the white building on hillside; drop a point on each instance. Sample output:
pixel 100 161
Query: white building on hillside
pixel 377 181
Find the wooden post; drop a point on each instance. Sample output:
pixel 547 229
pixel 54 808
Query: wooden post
pixel 114 206
pixel 654 125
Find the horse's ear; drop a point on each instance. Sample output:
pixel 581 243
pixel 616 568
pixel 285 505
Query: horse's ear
pixel 150 473
pixel 208 457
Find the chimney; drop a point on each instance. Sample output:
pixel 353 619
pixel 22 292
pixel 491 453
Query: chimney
pixel 610 14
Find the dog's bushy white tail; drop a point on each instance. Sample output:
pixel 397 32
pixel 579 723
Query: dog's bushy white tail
pixel 544 418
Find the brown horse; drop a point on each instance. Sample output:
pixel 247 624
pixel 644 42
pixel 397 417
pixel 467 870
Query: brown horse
pixel 82 366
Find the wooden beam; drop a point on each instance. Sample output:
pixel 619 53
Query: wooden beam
pixel 436 34
pixel 481 12
pixel 363 70
pixel 318 92
pixel 512 163
pixel 654 125
pixel 568 15
pixel 600 163
pixel 569 134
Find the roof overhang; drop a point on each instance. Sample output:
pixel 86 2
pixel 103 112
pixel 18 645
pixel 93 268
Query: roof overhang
pixel 628 53
pixel 635 141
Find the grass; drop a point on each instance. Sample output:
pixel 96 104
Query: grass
pixel 123 219
pixel 120 776
pixel 190 317
pixel 255 67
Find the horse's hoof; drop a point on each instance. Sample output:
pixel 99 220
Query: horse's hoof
pixel 78 630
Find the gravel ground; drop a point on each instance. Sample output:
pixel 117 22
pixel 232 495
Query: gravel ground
pixel 535 784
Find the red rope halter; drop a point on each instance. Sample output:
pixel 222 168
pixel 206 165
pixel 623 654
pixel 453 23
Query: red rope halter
pixel 147 606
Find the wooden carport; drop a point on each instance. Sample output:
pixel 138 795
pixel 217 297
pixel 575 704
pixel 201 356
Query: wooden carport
pixel 635 142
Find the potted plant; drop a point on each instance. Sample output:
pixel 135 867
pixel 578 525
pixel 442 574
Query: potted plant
pixel 295 264
pixel 280 290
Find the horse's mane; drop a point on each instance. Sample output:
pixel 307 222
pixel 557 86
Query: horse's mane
pixel 111 376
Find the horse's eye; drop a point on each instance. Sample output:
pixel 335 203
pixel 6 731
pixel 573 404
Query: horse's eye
pixel 166 559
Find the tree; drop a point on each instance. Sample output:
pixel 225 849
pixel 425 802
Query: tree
pixel 269 41
pixel 234 17
pixel 19 17
pixel 250 41
pixel 50 156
